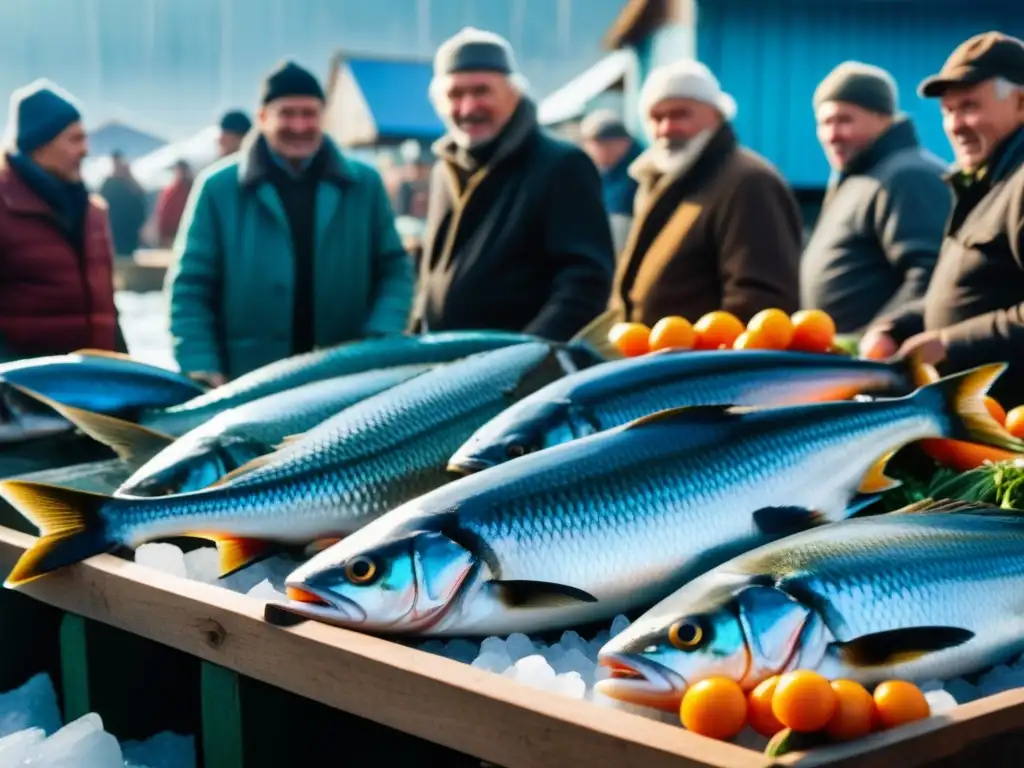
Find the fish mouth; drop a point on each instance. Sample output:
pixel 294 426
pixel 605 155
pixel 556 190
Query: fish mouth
pixel 310 603
pixel 636 680
pixel 468 465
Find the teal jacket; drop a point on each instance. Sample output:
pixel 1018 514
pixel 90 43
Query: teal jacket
pixel 231 283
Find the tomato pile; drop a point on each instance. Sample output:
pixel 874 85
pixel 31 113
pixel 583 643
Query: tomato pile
pixel 809 330
pixel 801 701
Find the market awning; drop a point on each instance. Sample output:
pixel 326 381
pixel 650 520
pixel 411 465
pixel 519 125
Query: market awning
pixel 572 99
pixel 381 101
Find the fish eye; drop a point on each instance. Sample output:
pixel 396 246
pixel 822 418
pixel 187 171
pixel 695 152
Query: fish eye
pixel 686 635
pixel 360 570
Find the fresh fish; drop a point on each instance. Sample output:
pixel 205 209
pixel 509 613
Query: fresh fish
pixel 929 592
pixel 350 469
pixel 614 394
pixel 616 521
pixel 237 436
pixel 353 357
pixel 105 382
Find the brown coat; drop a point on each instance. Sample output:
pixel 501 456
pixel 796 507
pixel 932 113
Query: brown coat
pixel 724 234
pixel 54 298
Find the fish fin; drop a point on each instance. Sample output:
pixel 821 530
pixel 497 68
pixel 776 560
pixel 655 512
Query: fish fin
pixel 133 443
pixel 947 506
pixel 961 397
pixel 319 546
pixel 540 594
pixel 920 373
pixel 236 552
pixel 875 480
pixel 687 414
pixel 280 616
pixel 288 440
pixel 237 472
pixel 549 369
pixel 70 527
pixel 90 352
pixel 785 520
pixel 595 334
pixel 861 502
pixel 901 645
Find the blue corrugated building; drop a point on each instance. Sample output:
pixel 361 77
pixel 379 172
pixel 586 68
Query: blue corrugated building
pixel 771 54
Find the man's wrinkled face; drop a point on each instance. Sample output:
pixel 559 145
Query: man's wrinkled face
pixel 846 129
pixel 606 153
pixel 292 126
pixel 675 122
pixel 976 121
pixel 64 155
pixel 476 105
pixel 229 142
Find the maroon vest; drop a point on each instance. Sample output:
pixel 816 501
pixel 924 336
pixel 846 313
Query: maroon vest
pixel 53 299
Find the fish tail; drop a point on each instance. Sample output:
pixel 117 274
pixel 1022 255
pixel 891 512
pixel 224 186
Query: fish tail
pixel 961 399
pixel 918 372
pixel 69 522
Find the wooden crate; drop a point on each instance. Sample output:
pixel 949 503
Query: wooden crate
pixel 258 693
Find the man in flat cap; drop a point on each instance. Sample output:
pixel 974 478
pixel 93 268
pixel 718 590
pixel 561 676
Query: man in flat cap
pixel 284 247
pixel 877 238
pixel 56 251
pixel 973 312
pixel 604 137
pixel 715 226
pixel 517 237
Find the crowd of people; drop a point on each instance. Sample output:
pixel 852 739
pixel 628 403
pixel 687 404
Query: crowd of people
pixel 289 244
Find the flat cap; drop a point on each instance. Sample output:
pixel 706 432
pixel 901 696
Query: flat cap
pixel 981 58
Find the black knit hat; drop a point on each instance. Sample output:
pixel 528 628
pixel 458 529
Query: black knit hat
pixel 289 79
pixel 863 85
pixel 235 121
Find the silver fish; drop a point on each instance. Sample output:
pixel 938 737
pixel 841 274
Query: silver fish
pixel 616 521
pixel 350 469
pixel 929 592
pixel 611 395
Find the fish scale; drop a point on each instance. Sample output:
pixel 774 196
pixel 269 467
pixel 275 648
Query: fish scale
pixel 629 514
pixel 353 467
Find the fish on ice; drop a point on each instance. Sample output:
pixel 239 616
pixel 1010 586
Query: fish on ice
pixel 932 591
pixel 616 521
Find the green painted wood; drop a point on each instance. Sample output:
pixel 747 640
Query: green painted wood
pixel 29 640
pixel 223 744
pixel 74 664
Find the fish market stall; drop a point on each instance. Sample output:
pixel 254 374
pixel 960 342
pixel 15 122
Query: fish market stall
pixel 476 547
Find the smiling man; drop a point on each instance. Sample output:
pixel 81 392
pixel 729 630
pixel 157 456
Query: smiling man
pixel 973 312
pixel 877 238
pixel 285 246
pixel 517 237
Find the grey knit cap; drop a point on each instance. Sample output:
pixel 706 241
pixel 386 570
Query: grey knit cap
pixel 474 50
pixel 863 85
pixel 603 124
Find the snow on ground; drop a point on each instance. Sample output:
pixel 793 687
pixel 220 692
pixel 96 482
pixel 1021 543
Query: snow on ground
pixel 33 736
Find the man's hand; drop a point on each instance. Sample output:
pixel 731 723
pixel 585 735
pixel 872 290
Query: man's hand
pixel 877 344
pixel 209 378
pixel 928 346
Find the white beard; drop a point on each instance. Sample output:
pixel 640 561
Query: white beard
pixel 673 161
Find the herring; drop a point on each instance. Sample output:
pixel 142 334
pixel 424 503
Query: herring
pixel 928 592
pixel 616 521
pixel 611 395
pixel 351 468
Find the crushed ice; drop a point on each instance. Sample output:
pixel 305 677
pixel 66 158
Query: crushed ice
pixel 567 667
pixel 32 736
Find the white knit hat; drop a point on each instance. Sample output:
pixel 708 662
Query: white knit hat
pixel 685 79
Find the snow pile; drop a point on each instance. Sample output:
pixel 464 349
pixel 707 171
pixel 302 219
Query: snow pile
pixel 31 736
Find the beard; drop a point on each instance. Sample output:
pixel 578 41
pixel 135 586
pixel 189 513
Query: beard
pixel 672 155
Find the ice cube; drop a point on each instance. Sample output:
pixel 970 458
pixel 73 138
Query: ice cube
pixel 574 661
pixel 14 749
pixel 940 701
pixel 33 705
pixel 533 670
pixel 961 690
pixel 930 685
pixel 461 650
pixel 162 557
pixel 164 750
pixel 571 639
pixel 433 646
pixel 600 641
pixel 492 662
pixel 203 565
pixel 519 646
pixel 493 645
pixel 81 744
pixel 619 624
pixel 571 684
pixel 265 591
